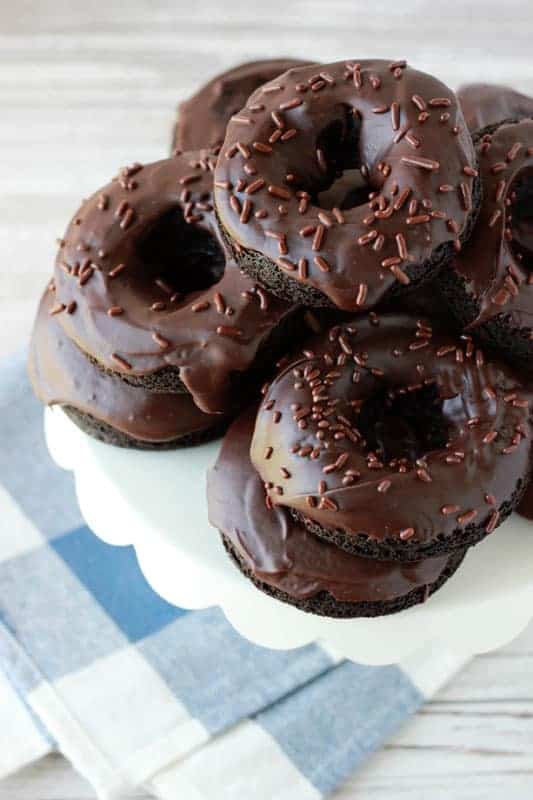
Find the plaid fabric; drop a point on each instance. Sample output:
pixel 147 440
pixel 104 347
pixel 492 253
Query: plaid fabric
pixel 137 692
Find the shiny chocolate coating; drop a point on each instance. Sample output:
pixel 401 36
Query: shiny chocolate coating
pixel 143 284
pixel 486 104
pixel 388 479
pixel 496 262
pixel 400 131
pixel 62 375
pixel 202 119
pixel 283 553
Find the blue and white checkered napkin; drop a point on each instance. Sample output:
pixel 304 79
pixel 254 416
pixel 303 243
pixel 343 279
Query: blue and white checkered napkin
pixel 136 692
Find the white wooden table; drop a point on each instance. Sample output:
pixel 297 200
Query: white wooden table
pixel 88 87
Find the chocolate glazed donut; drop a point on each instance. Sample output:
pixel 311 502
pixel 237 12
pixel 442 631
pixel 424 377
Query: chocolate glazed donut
pixel 102 404
pixel 142 287
pixel 287 562
pixel 485 104
pixel 202 119
pixel 489 285
pixel 396 141
pixel 145 292
pixel 394 442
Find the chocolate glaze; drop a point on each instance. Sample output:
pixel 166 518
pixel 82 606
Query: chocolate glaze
pixel 202 119
pixel 405 133
pixel 497 261
pixel 313 458
pixel 424 301
pixel 283 553
pixel 62 375
pixel 137 308
pixel 485 104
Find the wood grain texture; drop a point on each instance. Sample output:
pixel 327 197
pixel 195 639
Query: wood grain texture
pixel 87 87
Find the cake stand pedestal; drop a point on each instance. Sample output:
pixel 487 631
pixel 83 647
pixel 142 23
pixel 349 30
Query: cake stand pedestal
pixel 156 502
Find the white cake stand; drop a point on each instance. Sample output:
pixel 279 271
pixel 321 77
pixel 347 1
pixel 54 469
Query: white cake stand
pixel 156 502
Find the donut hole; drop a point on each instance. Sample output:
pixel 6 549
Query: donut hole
pixel 177 258
pixel 344 184
pixel 521 222
pixel 398 425
pixel 347 191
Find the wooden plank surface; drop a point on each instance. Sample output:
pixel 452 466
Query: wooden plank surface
pixel 88 87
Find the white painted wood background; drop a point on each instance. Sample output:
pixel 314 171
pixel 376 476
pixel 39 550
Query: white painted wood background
pixel 86 87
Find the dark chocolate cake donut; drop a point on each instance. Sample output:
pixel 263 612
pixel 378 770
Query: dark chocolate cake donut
pixel 284 560
pixel 202 119
pixel 103 404
pixel 396 140
pixel 393 441
pixel 144 288
pixel 486 104
pixel 489 285
pixel 525 507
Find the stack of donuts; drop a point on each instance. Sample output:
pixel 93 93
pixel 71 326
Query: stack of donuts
pixel 334 268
